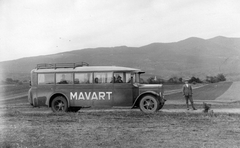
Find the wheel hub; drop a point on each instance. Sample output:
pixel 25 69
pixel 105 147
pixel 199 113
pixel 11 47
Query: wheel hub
pixel 60 106
pixel 148 104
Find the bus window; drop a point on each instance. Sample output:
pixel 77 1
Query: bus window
pixel 118 77
pixel 122 77
pixel 134 78
pixel 64 78
pixel 102 77
pixel 128 77
pixel 45 79
pixel 83 78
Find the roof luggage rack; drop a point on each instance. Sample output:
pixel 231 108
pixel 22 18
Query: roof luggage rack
pixel 61 65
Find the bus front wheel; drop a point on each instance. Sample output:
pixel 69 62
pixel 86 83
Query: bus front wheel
pixel 149 104
pixel 59 104
pixel 160 105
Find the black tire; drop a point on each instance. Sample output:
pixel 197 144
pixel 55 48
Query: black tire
pixel 149 104
pixel 160 105
pixel 59 104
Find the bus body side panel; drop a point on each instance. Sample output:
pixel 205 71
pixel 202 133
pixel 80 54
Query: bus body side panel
pixel 123 94
pixel 32 96
pixel 81 96
pixel 135 93
pixel 43 92
pixel 65 90
pixel 102 95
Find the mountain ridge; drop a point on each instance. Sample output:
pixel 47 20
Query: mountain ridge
pixel 190 57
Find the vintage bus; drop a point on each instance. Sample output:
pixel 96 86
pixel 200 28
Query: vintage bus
pixel 64 86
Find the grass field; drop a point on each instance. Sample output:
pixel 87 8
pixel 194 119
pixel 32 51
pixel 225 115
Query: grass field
pixel 23 126
pixel 6 90
pixel 118 129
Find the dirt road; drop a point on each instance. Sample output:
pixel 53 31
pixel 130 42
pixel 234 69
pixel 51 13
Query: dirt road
pixel 226 103
pixel 232 94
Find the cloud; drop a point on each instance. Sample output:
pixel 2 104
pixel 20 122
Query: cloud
pixel 40 27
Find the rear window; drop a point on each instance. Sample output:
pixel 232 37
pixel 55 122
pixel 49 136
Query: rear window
pixel 45 79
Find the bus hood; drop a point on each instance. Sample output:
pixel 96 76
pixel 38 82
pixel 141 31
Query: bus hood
pixel 148 85
pixel 157 88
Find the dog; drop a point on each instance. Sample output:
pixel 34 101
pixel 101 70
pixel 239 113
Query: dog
pixel 206 107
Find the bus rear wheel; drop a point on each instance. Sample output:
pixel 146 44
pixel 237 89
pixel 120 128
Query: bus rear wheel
pixel 59 104
pixel 149 104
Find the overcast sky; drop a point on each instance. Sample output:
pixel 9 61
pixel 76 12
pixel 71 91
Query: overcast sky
pixel 41 27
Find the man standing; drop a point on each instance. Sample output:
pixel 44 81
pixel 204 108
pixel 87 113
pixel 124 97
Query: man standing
pixel 187 93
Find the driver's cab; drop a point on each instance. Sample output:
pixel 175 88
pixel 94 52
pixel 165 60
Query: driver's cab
pixel 126 87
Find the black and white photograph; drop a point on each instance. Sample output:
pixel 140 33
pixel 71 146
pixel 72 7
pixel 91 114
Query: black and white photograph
pixel 119 74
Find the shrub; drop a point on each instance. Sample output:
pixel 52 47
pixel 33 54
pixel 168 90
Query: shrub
pixel 215 79
pixel 195 80
pixel 221 77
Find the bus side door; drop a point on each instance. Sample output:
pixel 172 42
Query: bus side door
pixel 123 89
pixel 123 94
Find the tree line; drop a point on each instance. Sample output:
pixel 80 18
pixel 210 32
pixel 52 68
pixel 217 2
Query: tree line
pixel 13 81
pixel 180 80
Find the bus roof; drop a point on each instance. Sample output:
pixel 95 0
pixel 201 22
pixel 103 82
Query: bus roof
pixel 90 69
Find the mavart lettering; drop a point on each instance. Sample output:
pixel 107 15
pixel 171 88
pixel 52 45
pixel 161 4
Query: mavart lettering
pixel 90 95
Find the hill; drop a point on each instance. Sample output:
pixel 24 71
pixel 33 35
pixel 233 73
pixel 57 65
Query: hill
pixel 189 57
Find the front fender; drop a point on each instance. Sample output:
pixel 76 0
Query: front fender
pixel 146 93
